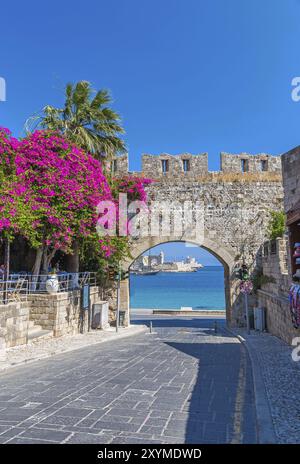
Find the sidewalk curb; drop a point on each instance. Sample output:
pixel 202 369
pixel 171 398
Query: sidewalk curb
pixel 6 367
pixel 265 427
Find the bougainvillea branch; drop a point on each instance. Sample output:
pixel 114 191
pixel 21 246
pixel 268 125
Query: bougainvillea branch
pixel 49 193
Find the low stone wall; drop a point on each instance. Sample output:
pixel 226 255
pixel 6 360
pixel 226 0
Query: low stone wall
pixel 278 318
pixel 14 319
pixel 61 312
pixel 273 296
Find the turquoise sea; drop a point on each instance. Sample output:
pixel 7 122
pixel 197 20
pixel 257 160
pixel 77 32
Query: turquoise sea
pixel 203 289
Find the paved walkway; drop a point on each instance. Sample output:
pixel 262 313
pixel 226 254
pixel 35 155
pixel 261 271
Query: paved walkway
pixel 44 348
pixel 184 384
pixel 272 359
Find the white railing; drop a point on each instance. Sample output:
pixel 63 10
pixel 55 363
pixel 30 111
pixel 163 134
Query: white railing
pixel 19 285
pixel 13 290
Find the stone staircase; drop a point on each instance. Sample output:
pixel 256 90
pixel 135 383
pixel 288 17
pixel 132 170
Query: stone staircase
pixel 36 332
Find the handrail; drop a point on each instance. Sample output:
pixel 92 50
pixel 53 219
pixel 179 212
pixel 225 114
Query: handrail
pixel 19 285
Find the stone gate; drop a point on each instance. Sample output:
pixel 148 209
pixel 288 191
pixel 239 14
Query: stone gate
pixel 235 209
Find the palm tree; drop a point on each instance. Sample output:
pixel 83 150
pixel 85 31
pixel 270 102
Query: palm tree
pixel 87 121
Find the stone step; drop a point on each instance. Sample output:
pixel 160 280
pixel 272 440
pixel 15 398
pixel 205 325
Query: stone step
pixel 34 328
pixel 31 324
pixel 39 334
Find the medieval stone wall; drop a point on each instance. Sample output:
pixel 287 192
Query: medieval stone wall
pixel 188 165
pixel 118 166
pixel 291 178
pixel 246 162
pixel 236 206
pixel 121 164
pixel 235 213
pixel 273 295
pixel 177 165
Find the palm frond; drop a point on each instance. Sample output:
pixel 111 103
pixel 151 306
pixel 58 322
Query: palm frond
pixel 88 122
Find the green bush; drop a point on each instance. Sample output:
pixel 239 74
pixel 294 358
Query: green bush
pixel 276 227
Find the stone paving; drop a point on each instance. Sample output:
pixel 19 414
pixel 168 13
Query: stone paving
pixel 281 377
pixel 43 348
pixel 184 384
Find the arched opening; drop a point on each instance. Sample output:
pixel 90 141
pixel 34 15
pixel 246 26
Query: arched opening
pixel 225 263
pixel 173 276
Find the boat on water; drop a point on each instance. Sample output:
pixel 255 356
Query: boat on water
pixel 146 272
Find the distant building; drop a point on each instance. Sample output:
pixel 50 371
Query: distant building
pixel 155 262
pixel 148 261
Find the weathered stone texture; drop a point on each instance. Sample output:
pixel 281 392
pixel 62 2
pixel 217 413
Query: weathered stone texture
pixel 192 166
pixel 61 312
pixel 14 319
pixel 291 178
pixel 197 165
pixel 235 222
pixel 253 163
pixel 273 296
pixel 118 166
pixel 121 164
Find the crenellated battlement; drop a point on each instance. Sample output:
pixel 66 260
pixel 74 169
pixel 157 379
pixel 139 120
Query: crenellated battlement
pixel 193 166
pixel 246 162
pixel 174 165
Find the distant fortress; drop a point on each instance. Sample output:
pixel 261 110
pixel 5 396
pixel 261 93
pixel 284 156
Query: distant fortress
pixel 147 264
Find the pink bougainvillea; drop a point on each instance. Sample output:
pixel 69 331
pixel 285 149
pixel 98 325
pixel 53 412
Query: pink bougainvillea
pixel 11 194
pixel 132 185
pixel 66 184
pixel 50 190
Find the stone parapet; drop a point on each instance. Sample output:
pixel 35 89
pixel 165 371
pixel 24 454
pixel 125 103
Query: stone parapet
pixel 14 318
pixel 61 312
pixel 247 162
pixel 166 165
pixel 187 165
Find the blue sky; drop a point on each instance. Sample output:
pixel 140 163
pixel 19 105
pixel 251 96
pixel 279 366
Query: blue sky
pixel 186 75
pixel 178 251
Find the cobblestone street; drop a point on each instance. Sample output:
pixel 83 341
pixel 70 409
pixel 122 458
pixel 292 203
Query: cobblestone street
pixel 182 384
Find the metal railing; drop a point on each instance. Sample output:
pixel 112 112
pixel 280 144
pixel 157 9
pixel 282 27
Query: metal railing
pixel 13 290
pixel 20 285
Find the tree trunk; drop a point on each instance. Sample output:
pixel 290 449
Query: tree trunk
pixel 72 261
pixel 37 268
pixel 6 258
pixel 47 258
pixel 6 268
pixel 38 261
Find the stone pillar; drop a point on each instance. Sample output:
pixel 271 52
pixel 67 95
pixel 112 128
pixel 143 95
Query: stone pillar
pixel 124 299
pixel 2 348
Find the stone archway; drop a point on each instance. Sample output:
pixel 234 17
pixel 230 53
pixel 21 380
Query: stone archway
pixel 231 208
pixel 223 254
